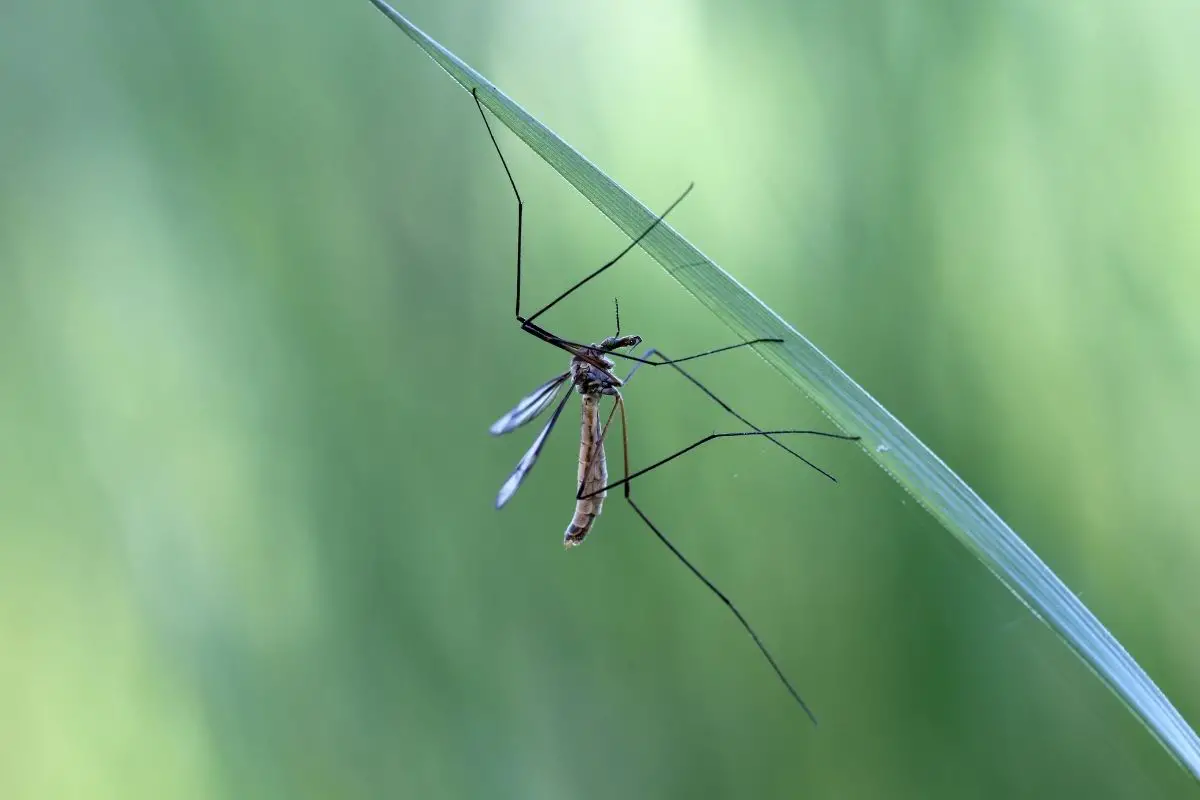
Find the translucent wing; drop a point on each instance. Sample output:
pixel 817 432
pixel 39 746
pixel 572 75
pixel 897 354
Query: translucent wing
pixel 529 407
pixel 529 459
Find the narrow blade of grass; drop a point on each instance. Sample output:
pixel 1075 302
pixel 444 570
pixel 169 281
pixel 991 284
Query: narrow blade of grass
pixel 885 439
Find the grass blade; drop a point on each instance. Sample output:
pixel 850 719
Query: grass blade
pixel 934 485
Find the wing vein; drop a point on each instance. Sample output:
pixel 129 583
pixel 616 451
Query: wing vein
pixel 530 458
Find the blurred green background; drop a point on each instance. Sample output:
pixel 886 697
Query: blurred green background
pixel 256 316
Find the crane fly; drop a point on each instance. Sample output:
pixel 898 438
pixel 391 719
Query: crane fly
pixel 592 375
pixel 593 383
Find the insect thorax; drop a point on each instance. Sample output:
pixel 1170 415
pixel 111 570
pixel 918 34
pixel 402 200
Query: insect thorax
pixel 589 379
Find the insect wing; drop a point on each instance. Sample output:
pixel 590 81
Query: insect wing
pixel 529 459
pixel 529 407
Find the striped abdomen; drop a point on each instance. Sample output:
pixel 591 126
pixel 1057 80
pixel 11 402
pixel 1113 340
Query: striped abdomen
pixel 593 472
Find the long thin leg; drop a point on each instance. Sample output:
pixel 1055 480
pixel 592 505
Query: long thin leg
pixel 624 437
pixel 762 648
pixel 617 258
pixel 706 440
pixel 667 362
pixel 513 184
pixel 527 323
pixel 711 352
pixel 674 364
pixel 567 344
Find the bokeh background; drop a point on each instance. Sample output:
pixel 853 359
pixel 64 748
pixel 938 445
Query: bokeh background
pixel 256 269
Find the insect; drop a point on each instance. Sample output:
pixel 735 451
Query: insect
pixel 592 375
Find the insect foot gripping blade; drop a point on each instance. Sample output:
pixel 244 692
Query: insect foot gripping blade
pixel 593 473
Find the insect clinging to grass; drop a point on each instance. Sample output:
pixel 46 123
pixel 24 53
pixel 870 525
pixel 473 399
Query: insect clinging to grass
pixel 591 374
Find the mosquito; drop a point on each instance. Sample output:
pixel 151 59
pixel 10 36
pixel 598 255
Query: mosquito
pixel 592 375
